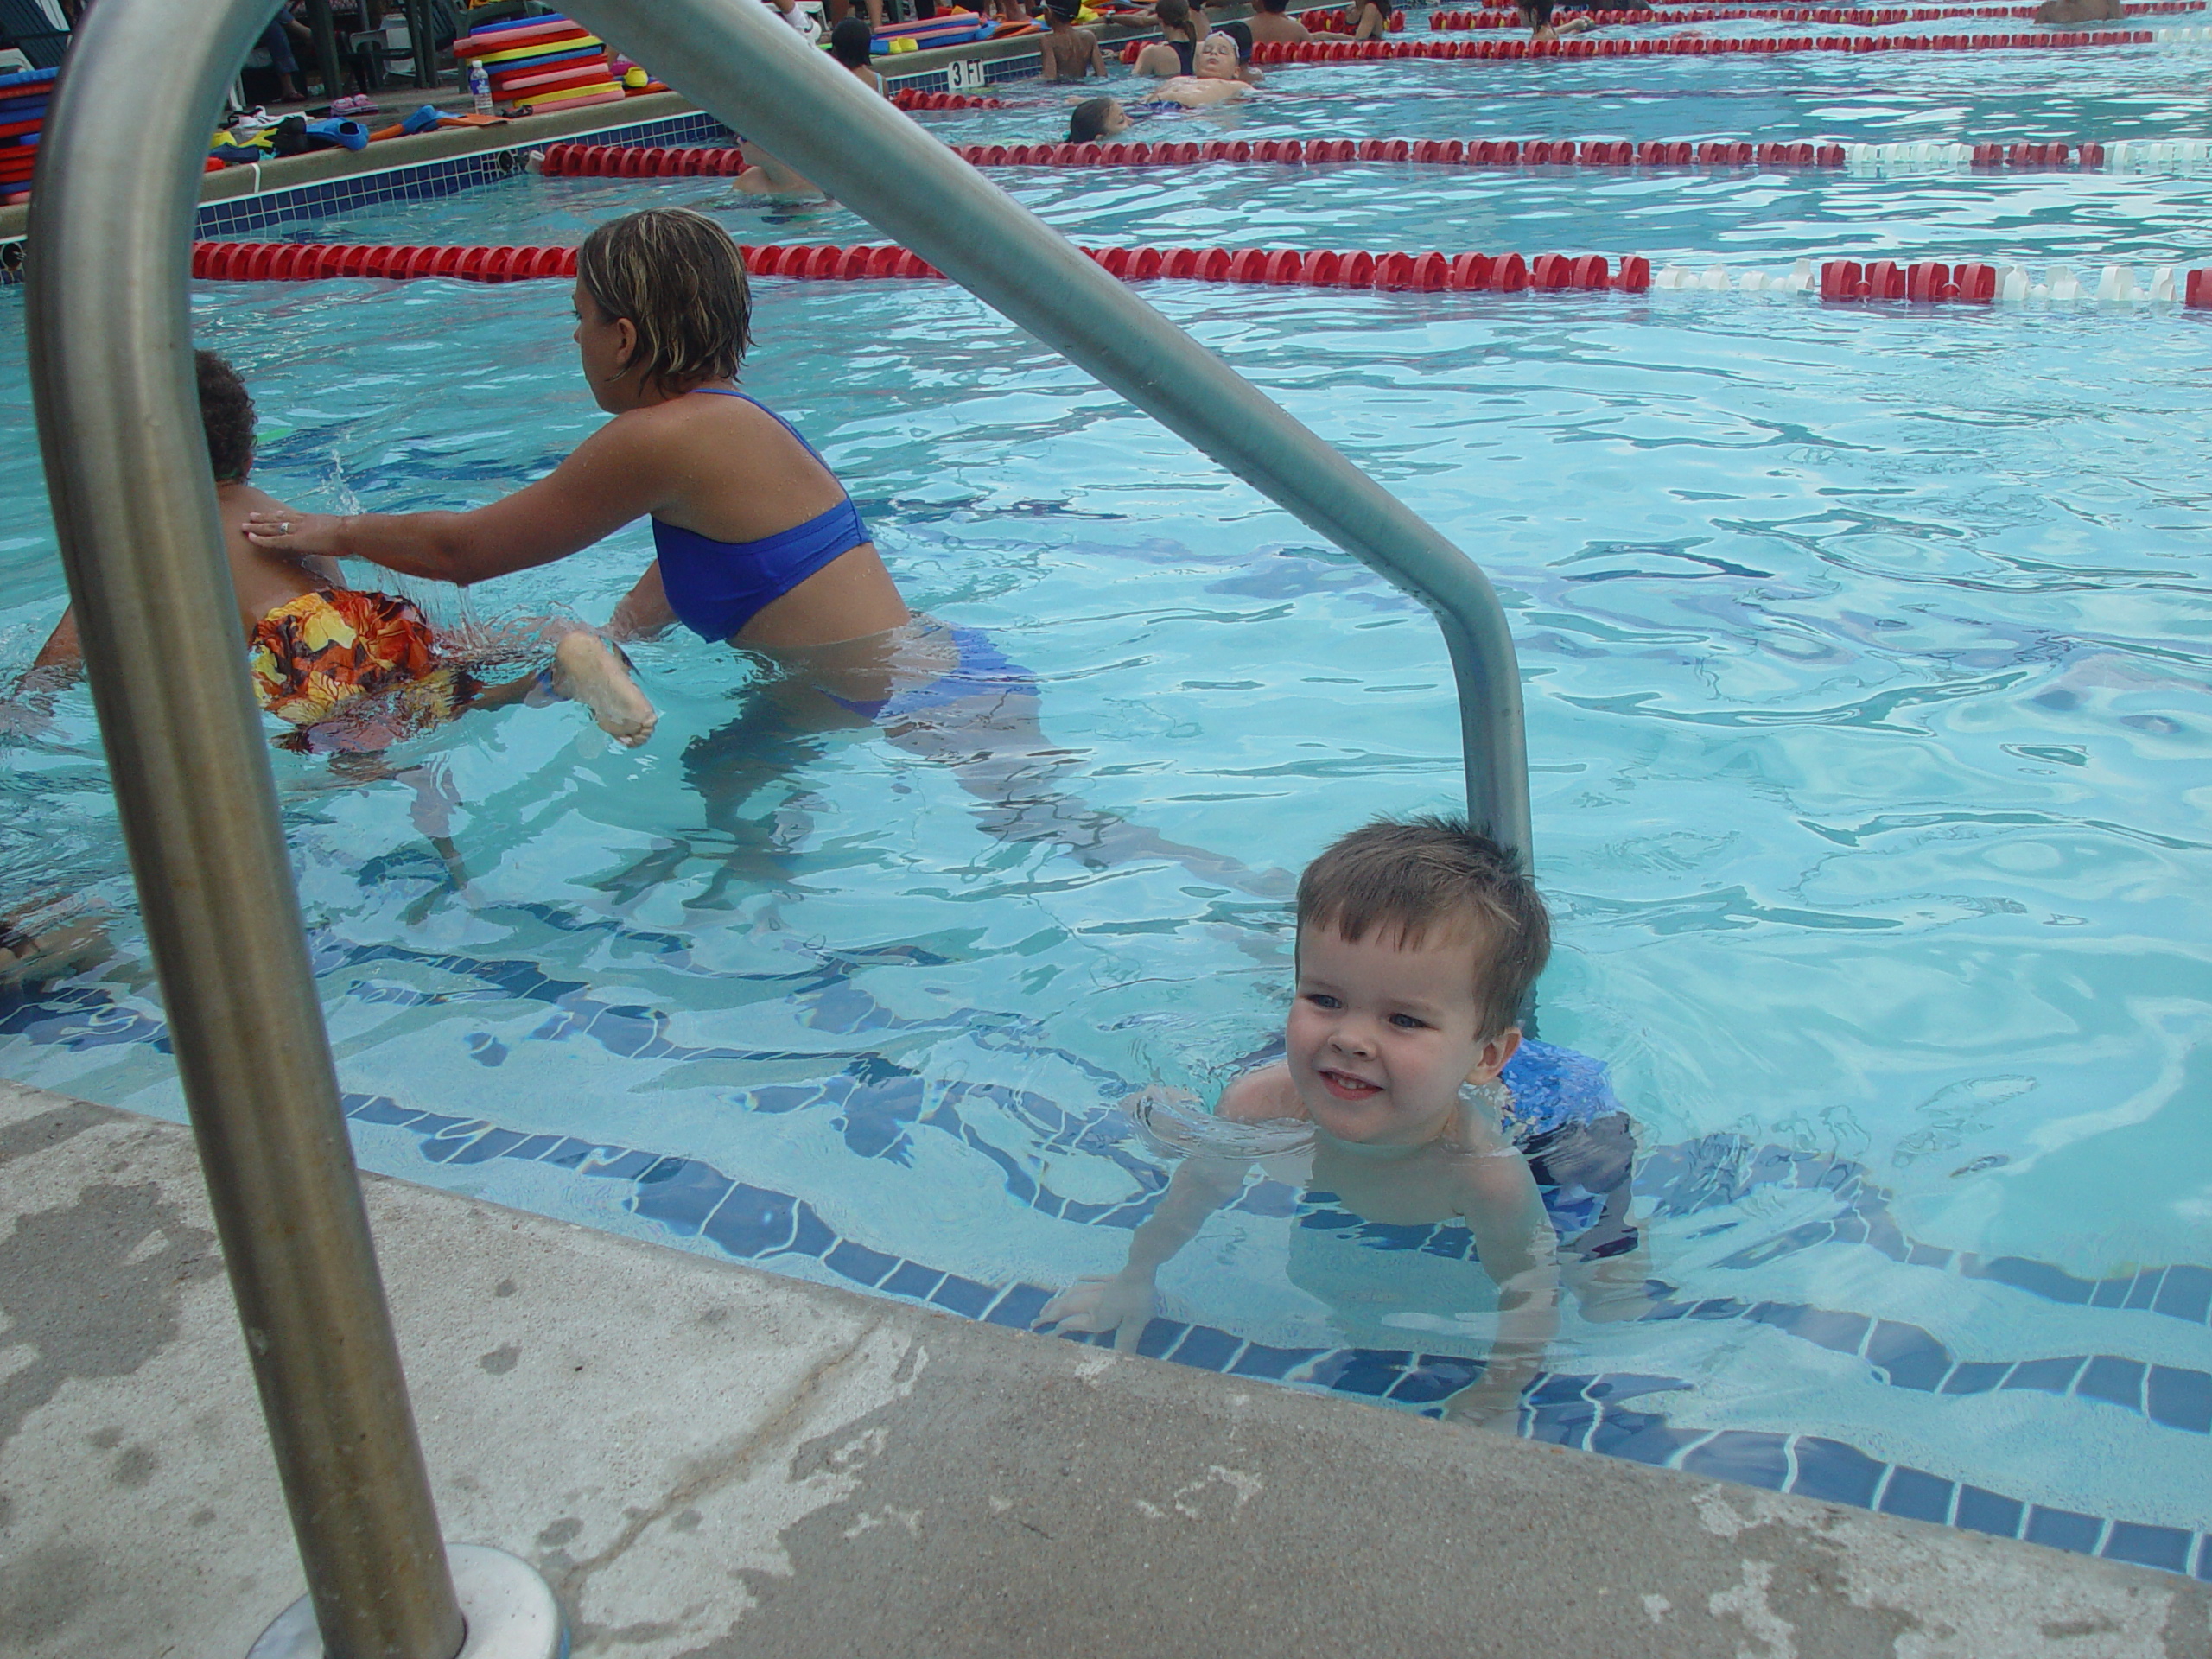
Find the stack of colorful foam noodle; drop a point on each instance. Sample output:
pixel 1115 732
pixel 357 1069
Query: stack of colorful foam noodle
pixel 539 65
pixel 22 115
pixel 954 26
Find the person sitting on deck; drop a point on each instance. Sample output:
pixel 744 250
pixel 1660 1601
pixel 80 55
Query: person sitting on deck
pixel 1272 25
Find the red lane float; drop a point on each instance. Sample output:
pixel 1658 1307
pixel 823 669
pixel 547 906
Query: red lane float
pixel 1927 282
pixel 1278 54
pixel 1430 272
pixel 637 160
pixel 906 98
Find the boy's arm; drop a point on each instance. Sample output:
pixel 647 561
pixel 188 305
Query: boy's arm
pixel 1201 1185
pixel 1515 1241
pixel 1124 1303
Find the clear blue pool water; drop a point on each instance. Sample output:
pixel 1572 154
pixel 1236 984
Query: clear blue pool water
pixel 1867 666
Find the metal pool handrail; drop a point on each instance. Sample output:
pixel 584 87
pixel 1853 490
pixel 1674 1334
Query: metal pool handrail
pixel 111 378
pixel 126 468
pixel 740 63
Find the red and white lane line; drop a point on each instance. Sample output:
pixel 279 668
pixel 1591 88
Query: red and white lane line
pixel 1858 17
pixel 637 160
pixel 1275 54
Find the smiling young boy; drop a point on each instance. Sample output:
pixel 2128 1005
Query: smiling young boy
pixel 1418 944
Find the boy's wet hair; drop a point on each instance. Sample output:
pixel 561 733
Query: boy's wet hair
pixel 1414 879
pixel 852 42
pixel 1271 5
pixel 680 280
pixel 1088 123
pixel 226 416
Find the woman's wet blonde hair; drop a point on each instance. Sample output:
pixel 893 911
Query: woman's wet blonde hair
pixel 680 280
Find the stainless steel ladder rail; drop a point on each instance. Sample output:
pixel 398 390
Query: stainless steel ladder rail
pixel 735 59
pixel 111 341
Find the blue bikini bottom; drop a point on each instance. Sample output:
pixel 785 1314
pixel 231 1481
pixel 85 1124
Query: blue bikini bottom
pixel 984 670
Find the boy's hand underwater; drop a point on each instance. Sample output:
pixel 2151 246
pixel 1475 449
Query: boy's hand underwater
pixel 1120 1303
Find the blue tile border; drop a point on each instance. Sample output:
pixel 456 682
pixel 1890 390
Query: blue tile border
pixel 1599 1413
pixel 880 1109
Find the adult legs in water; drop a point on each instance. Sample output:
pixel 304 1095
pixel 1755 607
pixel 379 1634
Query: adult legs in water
pixel 984 730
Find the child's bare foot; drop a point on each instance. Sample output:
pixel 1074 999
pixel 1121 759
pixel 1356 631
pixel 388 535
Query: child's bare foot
pixel 586 668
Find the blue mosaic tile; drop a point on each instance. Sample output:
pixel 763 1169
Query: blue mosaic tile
pixel 684 1197
pixel 379 1110
pixel 1019 1306
pixel 2160 1547
pixel 2203 1568
pixel 2180 1399
pixel 811 1236
pixel 1917 1495
pixel 1927 1256
pixel 2064 1529
pixel 1640 1438
pixel 1749 1459
pixel 2120 1380
pixel 1982 1511
pixel 862 1265
pixel 964 1296
pixel 2050 1376
pixel 1206 1349
pixel 912 1279
pixel 1367 1372
pixel 2143 1291
pixel 1908 1355
pixel 2037 1278
pixel 2111 1292
pixel 1435 1378
pixel 1274 1363
pixel 2186 1293
pixel 1841 1332
pixel 1975 1376
pixel 1159 1337
pixel 1835 1472
pixel 495 1143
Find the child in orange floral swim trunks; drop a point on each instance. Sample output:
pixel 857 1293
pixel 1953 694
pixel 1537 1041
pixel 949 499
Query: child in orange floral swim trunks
pixel 318 649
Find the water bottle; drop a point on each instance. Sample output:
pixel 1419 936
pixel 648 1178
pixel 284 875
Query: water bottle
pixel 480 88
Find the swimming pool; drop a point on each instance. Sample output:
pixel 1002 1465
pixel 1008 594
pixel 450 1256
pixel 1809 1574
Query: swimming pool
pixel 1865 672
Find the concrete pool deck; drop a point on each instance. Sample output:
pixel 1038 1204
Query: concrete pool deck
pixel 708 1460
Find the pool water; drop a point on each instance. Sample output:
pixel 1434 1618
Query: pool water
pixel 1865 653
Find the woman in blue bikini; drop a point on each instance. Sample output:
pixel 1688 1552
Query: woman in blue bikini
pixel 758 546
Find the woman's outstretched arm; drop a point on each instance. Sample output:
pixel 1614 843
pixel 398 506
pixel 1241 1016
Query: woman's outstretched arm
pixel 613 477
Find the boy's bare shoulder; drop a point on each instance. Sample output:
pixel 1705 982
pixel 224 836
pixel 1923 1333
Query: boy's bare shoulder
pixel 1265 1096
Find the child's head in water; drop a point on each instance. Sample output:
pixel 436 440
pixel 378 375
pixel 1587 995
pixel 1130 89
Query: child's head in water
pixel 662 306
pixel 1097 118
pixel 1417 945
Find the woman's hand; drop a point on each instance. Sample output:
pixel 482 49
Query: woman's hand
pixel 295 535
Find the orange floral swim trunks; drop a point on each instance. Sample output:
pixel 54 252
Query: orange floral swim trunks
pixel 320 654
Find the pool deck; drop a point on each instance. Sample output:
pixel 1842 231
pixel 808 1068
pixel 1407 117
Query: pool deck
pixel 706 1460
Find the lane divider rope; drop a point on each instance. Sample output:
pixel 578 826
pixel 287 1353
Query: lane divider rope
pixel 306 262
pixel 636 161
pixel 907 98
pixel 1281 53
pixel 1836 281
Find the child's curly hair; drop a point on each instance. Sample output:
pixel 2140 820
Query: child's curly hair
pixel 227 416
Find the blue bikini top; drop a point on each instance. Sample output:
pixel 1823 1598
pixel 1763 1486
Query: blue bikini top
pixel 716 588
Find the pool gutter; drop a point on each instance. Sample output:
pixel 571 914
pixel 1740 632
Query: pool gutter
pixel 707 1459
